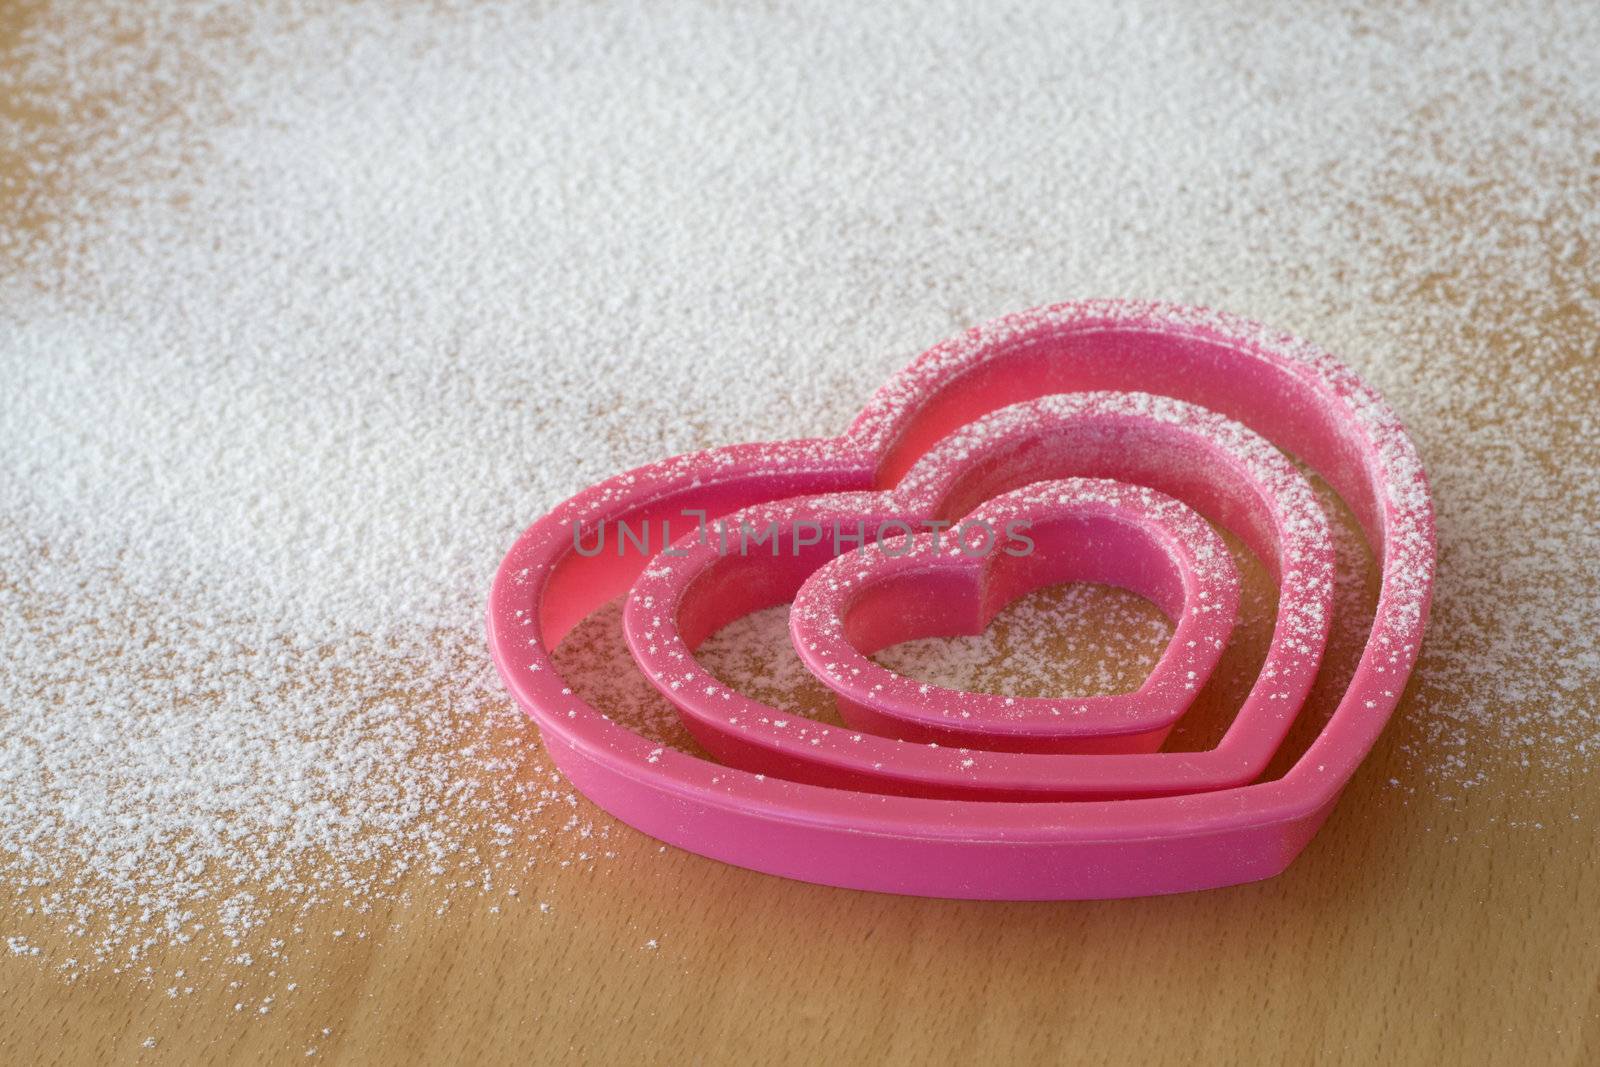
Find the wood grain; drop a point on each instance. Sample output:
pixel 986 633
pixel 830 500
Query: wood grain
pixel 1418 927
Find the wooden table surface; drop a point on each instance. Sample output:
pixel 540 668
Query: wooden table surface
pixel 1418 926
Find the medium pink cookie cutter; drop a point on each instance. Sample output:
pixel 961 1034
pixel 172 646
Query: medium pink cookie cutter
pixel 1025 417
pixel 1230 472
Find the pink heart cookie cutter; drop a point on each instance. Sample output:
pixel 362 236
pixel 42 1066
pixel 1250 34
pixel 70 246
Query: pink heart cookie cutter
pixel 1077 530
pixel 1242 478
pixel 1192 404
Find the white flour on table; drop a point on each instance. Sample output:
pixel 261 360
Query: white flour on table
pixel 304 314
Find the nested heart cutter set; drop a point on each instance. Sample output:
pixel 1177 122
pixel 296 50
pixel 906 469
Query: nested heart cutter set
pixel 1091 441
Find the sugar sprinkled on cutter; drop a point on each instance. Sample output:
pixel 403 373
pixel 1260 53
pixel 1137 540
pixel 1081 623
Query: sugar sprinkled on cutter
pixel 1056 416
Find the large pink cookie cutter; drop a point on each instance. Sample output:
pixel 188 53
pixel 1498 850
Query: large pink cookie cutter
pixel 1106 427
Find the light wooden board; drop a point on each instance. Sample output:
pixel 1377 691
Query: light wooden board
pixel 1416 927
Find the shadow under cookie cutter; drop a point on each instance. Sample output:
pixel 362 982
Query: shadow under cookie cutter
pixel 997 388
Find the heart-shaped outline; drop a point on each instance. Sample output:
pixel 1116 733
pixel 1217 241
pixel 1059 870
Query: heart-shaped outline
pixel 1079 530
pixel 1217 465
pixel 1292 392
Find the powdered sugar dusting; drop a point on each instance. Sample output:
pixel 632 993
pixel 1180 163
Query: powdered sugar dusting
pixel 303 315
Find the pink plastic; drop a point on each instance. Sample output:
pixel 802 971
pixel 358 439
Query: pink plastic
pixel 1077 530
pixel 949 794
pixel 1230 473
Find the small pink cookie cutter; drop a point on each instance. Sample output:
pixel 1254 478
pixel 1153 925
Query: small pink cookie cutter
pixel 1037 397
pixel 1076 530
